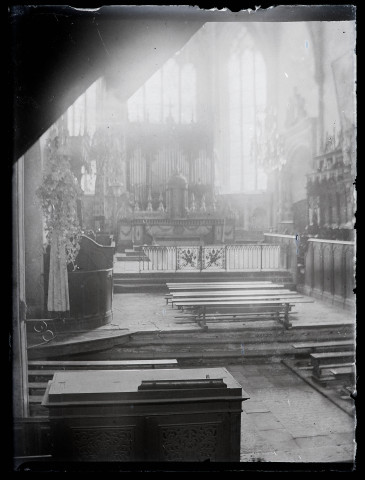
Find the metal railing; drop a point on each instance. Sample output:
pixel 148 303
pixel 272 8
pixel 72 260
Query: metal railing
pixel 253 257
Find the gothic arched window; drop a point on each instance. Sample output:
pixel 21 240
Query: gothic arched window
pixel 169 94
pixel 170 91
pixel 188 94
pixel 247 102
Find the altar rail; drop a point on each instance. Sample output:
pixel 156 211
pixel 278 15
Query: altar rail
pixel 212 258
pixel 288 251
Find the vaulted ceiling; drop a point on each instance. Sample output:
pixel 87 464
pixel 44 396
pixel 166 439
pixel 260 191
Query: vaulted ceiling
pixel 56 53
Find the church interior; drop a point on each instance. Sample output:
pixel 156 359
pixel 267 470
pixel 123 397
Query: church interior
pixel 184 236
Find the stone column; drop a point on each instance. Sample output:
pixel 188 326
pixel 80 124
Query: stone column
pixel 18 334
pixel 33 231
pixel 316 32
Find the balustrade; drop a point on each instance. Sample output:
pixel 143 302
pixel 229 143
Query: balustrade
pixel 211 257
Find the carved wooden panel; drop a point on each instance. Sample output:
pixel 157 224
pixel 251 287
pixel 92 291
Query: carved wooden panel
pixel 214 258
pixel 103 443
pixel 188 258
pixel 194 442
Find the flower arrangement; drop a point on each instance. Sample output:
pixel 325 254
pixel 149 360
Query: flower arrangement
pixel 58 194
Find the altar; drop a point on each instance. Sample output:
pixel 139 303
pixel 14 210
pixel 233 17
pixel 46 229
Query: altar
pixel 179 219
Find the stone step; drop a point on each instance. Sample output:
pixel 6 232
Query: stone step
pixel 193 344
pixel 37 410
pixel 138 288
pixel 327 380
pixel 37 388
pixel 262 336
pixel 212 354
pixel 222 275
pixel 35 399
pixel 40 375
pixel 134 253
pixel 143 281
pixel 136 248
pixel 163 281
pixel 131 258
pixel 197 354
pixel 249 334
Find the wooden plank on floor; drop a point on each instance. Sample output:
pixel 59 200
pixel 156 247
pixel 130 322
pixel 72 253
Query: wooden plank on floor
pixel 319 344
pixel 99 363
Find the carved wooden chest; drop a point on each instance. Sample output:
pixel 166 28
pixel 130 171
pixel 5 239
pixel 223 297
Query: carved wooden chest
pixel 142 415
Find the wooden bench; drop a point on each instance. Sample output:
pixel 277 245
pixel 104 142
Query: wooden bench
pixel 279 307
pixel 219 283
pixel 329 360
pixel 40 365
pixel 230 295
pixel 223 298
pixel 344 374
pixel 207 288
pixel 222 286
pixel 303 348
pixel 315 345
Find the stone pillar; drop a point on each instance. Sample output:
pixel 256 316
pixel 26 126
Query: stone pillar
pixel 18 334
pixel 316 32
pixel 33 231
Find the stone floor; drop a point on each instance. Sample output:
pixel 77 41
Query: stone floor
pixel 286 420
pixel 148 311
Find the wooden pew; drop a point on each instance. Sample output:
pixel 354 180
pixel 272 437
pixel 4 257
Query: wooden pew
pixel 345 375
pixel 280 307
pixel 329 360
pixel 303 349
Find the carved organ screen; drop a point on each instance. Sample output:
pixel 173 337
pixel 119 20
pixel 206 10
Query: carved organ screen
pixel 164 134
